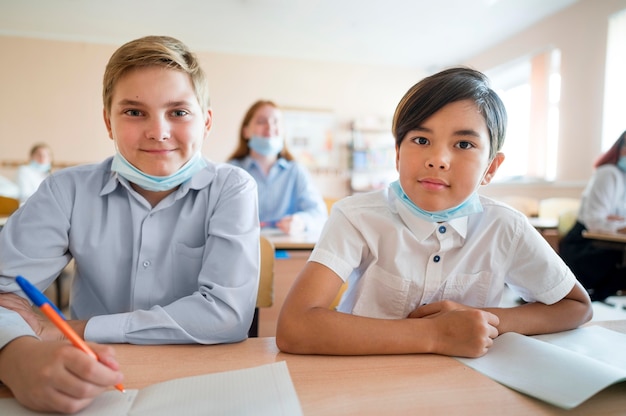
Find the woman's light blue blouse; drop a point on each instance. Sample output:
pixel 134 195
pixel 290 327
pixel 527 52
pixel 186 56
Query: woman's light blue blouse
pixel 288 189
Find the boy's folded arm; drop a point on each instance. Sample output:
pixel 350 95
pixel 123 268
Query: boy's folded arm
pixel 539 318
pixel 307 326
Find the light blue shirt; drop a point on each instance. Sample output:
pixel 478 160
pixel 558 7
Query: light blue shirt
pixel 287 190
pixel 184 271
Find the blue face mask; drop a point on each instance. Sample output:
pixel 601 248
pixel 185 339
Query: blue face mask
pixel 267 146
pixel 471 205
pixel 621 163
pixel 157 183
pixel 41 167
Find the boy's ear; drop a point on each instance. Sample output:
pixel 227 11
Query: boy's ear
pixel 209 121
pixel 107 123
pixel 493 168
pixel 397 158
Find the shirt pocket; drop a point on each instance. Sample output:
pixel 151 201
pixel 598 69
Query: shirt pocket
pixel 187 263
pixel 468 289
pixel 381 295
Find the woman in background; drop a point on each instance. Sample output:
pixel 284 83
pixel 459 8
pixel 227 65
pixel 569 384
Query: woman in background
pixel 30 176
pixel 288 199
pixel 603 209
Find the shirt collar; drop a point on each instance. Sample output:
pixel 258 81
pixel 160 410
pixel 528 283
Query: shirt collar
pixel 420 228
pixel 200 180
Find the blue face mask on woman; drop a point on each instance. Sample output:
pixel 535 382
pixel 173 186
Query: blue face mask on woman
pixel 157 183
pixel 267 146
pixel 41 167
pixel 471 205
pixel 621 163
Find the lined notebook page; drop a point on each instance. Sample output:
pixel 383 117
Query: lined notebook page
pixel 263 390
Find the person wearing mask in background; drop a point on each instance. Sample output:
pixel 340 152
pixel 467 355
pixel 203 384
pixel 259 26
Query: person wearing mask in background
pixel 30 176
pixel 603 209
pixel 288 199
pixel 165 242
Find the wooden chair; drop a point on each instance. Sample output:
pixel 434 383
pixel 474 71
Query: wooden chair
pixel 554 207
pixel 265 297
pixel 337 299
pixel 8 205
pixel 329 203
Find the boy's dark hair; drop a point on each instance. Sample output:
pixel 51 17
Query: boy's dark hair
pixel 436 91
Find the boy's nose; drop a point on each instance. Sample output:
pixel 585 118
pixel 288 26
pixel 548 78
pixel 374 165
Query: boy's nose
pixel 438 161
pixel 158 129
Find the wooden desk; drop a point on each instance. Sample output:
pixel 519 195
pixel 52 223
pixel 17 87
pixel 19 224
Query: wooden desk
pixel 541 223
pixel 283 241
pixel 615 238
pixel 373 385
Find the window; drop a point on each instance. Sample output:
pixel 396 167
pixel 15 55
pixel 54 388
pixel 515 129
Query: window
pixel 530 90
pixel 614 81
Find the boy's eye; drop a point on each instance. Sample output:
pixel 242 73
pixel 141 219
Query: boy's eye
pixel 420 140
pixel 179 113
pixel 133 113
pixel 465 145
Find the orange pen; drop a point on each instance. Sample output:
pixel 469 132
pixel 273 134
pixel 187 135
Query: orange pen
pixel 55 316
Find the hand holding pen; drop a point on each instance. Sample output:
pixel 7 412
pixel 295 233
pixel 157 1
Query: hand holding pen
pixel 57 318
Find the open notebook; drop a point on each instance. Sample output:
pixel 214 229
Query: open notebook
pixel 564 369
pixel 263 390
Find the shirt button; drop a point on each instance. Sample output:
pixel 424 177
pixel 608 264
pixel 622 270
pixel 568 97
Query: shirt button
pixel 442 229
pixel 436 259
pixel 146 263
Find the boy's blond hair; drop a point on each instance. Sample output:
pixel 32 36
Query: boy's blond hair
pixel 161 51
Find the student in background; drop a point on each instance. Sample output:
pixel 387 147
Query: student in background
pixel 603 209
pixel 8 188
pixel 165 243
pixel 427 259
pixel 288 199
pixel 30 176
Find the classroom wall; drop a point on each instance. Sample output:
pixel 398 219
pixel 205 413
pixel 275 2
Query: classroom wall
pixel 580 32
pixel 51 91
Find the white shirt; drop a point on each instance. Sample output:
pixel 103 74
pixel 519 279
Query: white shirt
pixel 184 271
pixel 28 180
pixel 394 261
pixel 604 195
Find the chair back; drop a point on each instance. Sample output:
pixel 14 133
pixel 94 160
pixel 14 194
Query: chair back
pixel 8 205
pixel 337 299
pixel 265 297
pixel 554 207
pixel 567 219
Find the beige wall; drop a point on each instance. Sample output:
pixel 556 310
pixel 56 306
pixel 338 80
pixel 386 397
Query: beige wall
pixel 50 91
